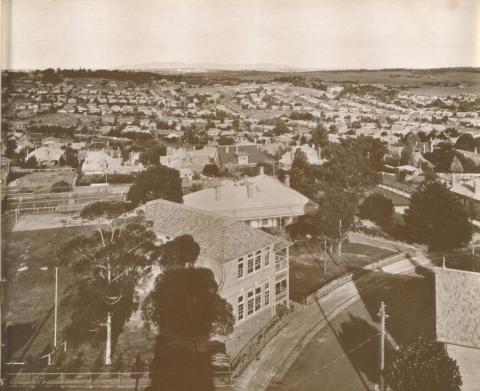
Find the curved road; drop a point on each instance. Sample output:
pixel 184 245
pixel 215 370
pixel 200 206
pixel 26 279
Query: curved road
pixel 311 351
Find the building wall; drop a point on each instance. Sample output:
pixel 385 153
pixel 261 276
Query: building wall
pixel 243 279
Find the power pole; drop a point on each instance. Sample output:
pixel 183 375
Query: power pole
pixel 339 239
pixel 324 256
pixel 383 316
pixel 56 309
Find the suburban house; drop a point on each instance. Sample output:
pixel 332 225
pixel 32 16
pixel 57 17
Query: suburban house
pixel 231 157
pixel 46 156
pixel 457 294
pixel 187 162
pixel 101 163
pixel 250 266
pixel 313 156
pixel 261 201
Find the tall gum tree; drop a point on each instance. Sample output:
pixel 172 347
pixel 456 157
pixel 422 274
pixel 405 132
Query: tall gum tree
pixel 107 266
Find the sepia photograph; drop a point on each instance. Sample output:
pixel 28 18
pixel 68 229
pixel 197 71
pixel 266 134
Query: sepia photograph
pixel 240 195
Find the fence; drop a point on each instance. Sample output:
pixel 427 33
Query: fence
pixel 98 380
pixel 247 354
pixel 59 202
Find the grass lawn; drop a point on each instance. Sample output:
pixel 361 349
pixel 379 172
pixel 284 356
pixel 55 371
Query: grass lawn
pixel 29 259
pixel 307 264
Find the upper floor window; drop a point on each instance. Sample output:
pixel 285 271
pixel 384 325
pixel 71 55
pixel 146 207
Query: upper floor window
pixel 240 308
pixel 240 268
pixel 250 264
pixel 266 258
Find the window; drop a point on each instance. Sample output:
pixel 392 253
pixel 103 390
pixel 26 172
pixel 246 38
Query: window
pixel 266 258
pixel 264 221
pixel 240 308
pixel 250 303
pixel 240 268
pixel 250 264
pixel 258 260
pixel 258 299
pixel 266 295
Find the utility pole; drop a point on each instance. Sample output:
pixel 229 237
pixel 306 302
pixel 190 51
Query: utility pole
pixel 56 309
pixel 339 239
pixel 383 316
pixel 324 256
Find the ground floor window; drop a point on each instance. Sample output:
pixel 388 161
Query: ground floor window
pixel 258 299
pixel 266 295
pixel 250 303
pixel 240 308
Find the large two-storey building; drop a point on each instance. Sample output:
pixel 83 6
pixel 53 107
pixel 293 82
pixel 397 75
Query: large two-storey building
pixel 250 266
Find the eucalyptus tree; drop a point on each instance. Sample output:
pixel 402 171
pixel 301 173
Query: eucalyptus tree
pixel 107 265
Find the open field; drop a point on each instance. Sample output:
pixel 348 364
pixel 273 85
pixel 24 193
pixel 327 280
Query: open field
pixel 428 81
pixel 307 263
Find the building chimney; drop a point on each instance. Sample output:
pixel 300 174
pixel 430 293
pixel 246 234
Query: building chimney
pixel 287 180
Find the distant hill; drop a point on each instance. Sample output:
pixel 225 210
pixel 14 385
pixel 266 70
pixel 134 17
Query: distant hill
pixel 205 67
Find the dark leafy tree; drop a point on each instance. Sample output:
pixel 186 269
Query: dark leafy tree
pixel 224 140
pixel 441 157
pixel 180 252
pixel 351 165
pixel 437 217
pixel 211 170
pixel 152 155
pixel 185 303
pixel 377 208
pixel 466 142
pixel 107 264
pixel 301 175
pixel 423 366
pixel 335 216
pixel 31 162
pixel 156 182
pixel 280 128
pixel 320 136
pixel 10 148
pixel 60 187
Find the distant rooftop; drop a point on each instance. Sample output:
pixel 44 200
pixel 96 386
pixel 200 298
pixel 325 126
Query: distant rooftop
pixel 251 198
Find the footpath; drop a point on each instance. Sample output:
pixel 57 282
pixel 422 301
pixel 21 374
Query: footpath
pixel 280 353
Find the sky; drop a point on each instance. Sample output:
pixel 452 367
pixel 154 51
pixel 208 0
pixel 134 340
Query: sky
pixel 311 34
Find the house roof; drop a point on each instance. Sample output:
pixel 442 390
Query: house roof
pixel 46 153
pixel 457 307
pixel 268 197
pixel 227 153
pixel 310 153
pixel 220 238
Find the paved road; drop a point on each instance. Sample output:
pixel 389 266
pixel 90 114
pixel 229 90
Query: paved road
pixel 344 354
pixel 283 351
